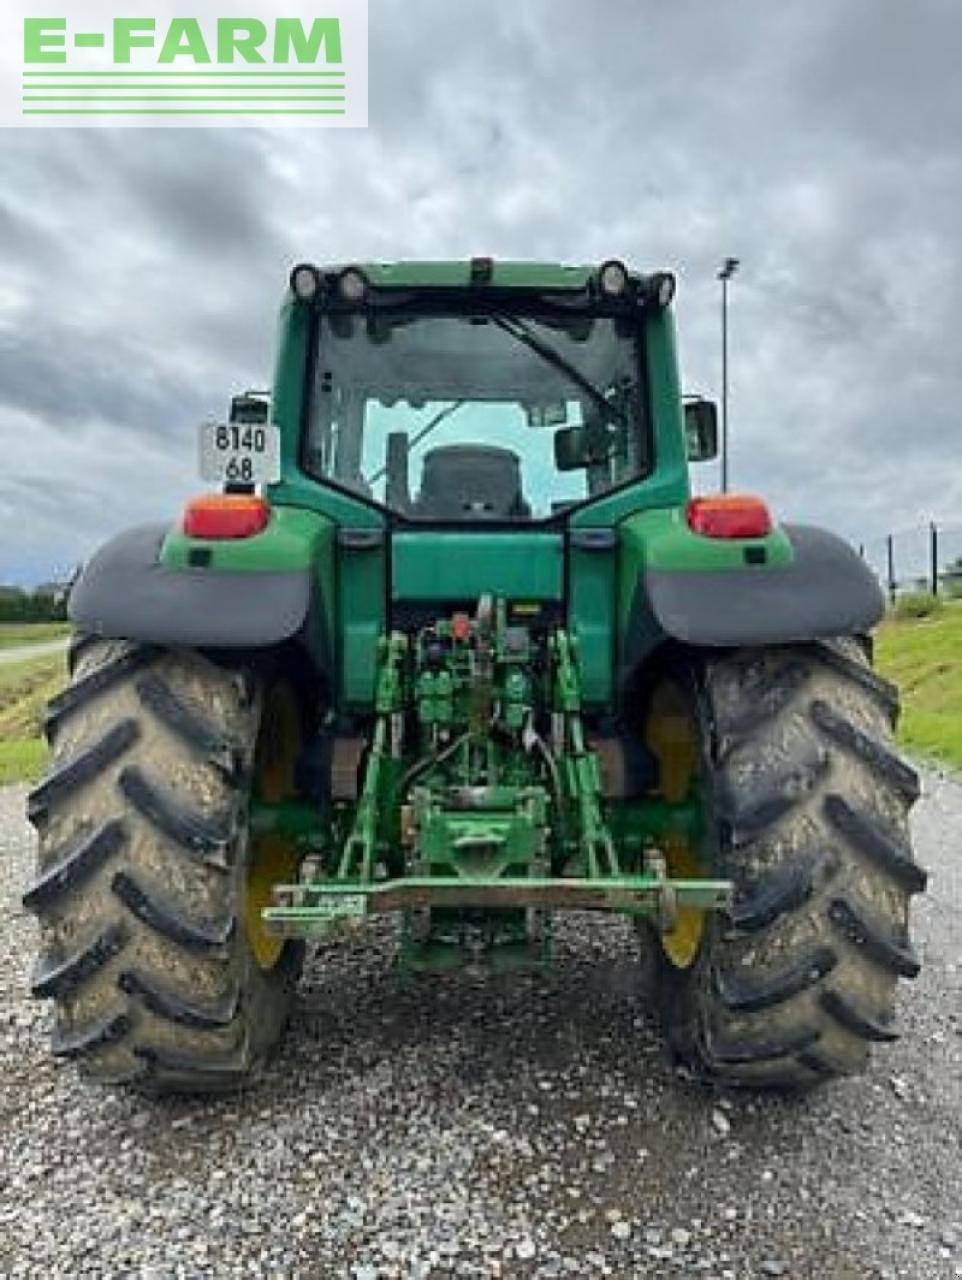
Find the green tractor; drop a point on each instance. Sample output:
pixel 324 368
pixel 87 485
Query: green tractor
pixel 452 640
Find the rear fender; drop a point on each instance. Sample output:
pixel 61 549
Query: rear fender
pixel 799 583
pixel 156 585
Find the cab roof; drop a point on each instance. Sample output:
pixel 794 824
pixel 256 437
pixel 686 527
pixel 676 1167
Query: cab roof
pixel 357 285
pixel 458 272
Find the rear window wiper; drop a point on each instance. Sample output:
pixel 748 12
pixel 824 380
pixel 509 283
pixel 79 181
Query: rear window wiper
pixel 518 330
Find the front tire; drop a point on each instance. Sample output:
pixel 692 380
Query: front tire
pixel 144 866
pixel 807 806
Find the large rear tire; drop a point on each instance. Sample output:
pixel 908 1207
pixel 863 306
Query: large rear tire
pixel 158 978
pixel 807 806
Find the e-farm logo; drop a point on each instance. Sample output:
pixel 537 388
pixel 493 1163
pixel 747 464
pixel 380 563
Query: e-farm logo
pixel 286 64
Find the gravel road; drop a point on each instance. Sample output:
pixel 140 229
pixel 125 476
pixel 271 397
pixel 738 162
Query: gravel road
pixel 526 1127
pixel 43 649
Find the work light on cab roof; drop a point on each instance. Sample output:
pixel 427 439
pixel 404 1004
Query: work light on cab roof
pixel 305 282
pixel 454 642
pixel 352 284
pixel 613 278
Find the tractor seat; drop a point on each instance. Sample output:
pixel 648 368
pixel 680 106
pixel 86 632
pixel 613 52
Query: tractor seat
pixel 471 482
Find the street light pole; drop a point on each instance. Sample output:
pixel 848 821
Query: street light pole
pixel 727 270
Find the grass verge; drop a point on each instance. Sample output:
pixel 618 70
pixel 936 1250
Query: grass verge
pixel 923 657
pixel 25 688
pixel 14 634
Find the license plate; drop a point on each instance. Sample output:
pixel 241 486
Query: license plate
pixel 240 453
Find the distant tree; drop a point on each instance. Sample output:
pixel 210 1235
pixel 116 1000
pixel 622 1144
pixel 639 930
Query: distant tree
pixel 46 604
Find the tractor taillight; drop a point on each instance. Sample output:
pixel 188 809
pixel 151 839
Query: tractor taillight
pixel 226 515
pixel 729 515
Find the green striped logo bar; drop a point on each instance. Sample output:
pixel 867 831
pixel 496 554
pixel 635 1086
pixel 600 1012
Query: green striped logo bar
pixel 279 62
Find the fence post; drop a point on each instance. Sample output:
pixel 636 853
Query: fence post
pixel 890 558
pixel 934 544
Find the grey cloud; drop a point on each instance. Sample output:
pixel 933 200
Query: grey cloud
pixel 198 198
pixel 21 238
pixel 76 379
pixel 889 68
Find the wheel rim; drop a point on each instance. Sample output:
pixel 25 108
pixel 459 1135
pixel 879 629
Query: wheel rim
pixel 671 733
pixel 272 859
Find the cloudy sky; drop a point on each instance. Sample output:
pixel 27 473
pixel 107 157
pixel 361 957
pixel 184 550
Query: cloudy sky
pixel 817 140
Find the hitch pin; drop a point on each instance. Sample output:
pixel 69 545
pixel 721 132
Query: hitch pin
pixel 666 909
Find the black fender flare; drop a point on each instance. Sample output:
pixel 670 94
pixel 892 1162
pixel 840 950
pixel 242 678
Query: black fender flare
pixel 126 592
pixel 826 591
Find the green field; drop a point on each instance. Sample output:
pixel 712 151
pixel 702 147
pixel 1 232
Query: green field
pixel 24 689
pixel 923 656
pixel 14 634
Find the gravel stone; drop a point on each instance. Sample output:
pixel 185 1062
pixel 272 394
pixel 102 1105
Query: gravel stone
pixel 421 1129
pixel 721 1123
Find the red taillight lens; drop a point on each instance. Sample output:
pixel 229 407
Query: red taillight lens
pixel 226 515
pixel 729 515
